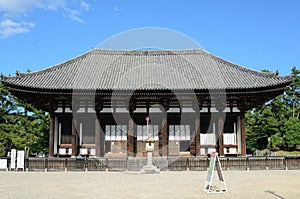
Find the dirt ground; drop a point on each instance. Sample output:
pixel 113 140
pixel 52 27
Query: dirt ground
pixel 187 184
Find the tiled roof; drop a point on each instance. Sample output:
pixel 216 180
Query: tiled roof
pixel 101 69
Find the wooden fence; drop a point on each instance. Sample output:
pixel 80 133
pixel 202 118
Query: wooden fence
pixel 163 163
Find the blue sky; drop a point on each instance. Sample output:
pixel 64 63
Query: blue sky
pixel 258 34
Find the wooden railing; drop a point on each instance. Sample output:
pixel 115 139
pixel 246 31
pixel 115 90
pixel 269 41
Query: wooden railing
pixel 164 163
pixel 207 139
pixel 229 138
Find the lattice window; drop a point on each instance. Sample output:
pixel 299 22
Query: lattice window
pixel 179 132
pixel 142 133
pixel 116 132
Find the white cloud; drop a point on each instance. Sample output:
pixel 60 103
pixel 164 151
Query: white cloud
pixel 54 4
pixel 9 27
pixel 8 23
pixel 84 6
pixel 16 9
pixel 74 15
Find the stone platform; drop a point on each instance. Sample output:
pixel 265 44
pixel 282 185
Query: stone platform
pixel 150 169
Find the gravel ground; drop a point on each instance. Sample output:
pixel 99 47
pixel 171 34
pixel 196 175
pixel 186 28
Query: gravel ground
pixel 187 184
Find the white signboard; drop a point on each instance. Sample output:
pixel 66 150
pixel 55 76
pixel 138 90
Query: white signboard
pixel 218 186
pixel 13 154
pixel 3 164
pixel 20 160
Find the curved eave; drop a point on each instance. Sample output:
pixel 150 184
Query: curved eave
pixel 18 82
pixel 230 91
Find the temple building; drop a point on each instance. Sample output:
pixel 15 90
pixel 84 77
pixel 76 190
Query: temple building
pixel 99 100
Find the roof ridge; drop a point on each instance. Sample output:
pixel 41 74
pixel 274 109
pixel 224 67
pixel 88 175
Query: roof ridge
pixel 148 52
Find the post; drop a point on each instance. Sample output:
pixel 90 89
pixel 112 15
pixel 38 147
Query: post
pixel 221 117
pixel 193 140
pixel 197 132
pixel 195 136
pixel 74 137
pixel 51 136
pixel 131 138
pixel 97 135
pixel 164 138
pixel 220 134
pixel 243 133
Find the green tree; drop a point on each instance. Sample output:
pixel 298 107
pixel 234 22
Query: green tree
pixel 261 125
pixel 291 129
pixel 22 125
pixel 274 125
pixel 6 107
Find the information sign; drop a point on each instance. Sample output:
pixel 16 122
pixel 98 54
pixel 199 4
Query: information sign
pixel 13 154
pixel 20 160
pixel 3 164
pixel 219 185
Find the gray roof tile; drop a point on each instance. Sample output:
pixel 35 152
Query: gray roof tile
pixel 147 70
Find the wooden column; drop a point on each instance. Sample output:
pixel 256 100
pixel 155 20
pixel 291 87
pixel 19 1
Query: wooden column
pixel 195 136
pixel 220 135
pixel 193 140
pixel 197 126
pixel 131 143
pixel 243 133
pixel 98 135
pixel 164 135
pixel 51 136
pixel 243 106
pixel 74 137
pixel 164 138
pixel 221 117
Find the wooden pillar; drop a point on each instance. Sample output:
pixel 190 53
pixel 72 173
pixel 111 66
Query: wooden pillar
pixel 98 135
pixel 74 137
pixel 197 125
pixel 195 136
pixel 51 136
pixel 220 135
pixel 164 138
pixel 221 117
pixel 131 143
pixel 193 140
pixel 243 133
pixel 243 106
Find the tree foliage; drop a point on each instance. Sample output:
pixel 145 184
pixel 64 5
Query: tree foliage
pixel 276 124
pixel 22 125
